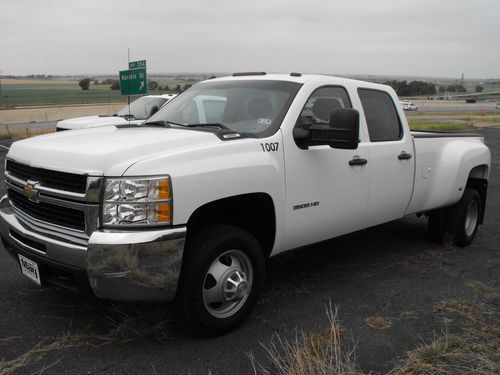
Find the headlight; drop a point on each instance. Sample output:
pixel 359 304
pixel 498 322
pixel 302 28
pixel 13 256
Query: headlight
pixel 136 201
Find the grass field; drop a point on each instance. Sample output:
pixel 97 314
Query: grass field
pixel 20 93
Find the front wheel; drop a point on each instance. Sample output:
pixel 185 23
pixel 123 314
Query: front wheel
pixel 223 274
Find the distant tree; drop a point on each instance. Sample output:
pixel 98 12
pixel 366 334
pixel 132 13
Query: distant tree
pixel 403 88
pixel 479 88
pixel 178 88
pixel 108 81
pixel 96 82
pixel 84 83
pixel 212 77
pixel 166 88
pixel 187 86
pixel 152 85
pixel 115 85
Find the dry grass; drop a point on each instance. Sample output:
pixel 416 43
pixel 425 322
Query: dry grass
pixel 378 323
pixel 474 349
pixel 40 350
pixel 129 322
pixel 319 354
pixel 126 323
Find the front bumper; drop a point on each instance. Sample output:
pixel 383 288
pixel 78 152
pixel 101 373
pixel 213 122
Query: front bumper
pixel 120 265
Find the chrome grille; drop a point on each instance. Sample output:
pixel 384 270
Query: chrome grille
pixel 51 213
pixel 71 182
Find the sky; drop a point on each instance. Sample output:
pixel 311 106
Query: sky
pixel 431 38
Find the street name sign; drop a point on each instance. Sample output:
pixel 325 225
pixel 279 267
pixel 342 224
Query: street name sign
pixel 133 82
pixel 137 64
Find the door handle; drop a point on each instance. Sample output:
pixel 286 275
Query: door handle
pixel 404 156
pixel 357 161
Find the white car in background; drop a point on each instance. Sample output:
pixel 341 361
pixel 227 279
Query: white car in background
pixel 408 105
pixel 140 110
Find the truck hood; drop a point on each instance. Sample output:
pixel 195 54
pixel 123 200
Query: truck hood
pixel 93 122
pixel 106 151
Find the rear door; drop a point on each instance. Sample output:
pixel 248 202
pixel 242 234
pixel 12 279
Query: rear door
pixel 391 158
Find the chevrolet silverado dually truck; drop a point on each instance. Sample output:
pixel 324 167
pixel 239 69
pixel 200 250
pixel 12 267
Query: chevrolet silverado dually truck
pixel 189 206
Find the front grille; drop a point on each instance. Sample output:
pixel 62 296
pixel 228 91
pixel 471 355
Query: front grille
pixel 74 183
pixel 63 216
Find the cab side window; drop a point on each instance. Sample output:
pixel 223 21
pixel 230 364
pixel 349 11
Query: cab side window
pixel 321 104
pixel 381 116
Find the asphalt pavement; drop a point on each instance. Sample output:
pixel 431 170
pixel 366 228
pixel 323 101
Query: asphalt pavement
pixel 393 270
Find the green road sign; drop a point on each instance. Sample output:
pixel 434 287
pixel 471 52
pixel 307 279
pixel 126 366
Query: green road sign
pixel 133 82
pixel 137 64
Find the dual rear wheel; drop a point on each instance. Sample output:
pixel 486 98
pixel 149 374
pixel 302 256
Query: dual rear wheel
pixel 459 222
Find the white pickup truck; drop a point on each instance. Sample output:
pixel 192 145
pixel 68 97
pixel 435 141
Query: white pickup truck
pixel 191 206
pixel 140 110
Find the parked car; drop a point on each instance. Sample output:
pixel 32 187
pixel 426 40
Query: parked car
pixel 140 109
pixel 408 105
pixel 190 205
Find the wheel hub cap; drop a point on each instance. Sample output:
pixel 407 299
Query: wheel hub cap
pixel 236 285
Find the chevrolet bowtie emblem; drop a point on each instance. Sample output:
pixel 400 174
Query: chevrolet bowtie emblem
pixel 31 192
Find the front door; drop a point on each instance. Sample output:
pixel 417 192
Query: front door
pixel 326 196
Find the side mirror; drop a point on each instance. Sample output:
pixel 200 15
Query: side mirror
pixel 341 133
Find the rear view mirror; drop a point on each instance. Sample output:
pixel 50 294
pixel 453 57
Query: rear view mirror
pixel 342 131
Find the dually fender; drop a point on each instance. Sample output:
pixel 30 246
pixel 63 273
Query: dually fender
pixel 452 169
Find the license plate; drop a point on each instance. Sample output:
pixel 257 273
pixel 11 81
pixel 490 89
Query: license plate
pixel 30 269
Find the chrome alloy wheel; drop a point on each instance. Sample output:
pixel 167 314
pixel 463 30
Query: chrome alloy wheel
pixel 471 217
pixel 227 283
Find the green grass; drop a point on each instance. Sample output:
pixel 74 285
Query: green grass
pixel 41 94
pixel 439 126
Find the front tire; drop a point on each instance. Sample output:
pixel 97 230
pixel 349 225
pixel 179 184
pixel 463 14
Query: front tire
pixel 222 277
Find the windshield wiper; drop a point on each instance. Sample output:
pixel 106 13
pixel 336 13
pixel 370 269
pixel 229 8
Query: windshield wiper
pixel 209 125
pixel 163 123
pixel 128 116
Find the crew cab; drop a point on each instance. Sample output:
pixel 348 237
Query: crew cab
pixel 140 109
pixel 189 206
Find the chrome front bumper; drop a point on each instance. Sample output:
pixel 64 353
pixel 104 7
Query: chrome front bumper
pixel 120 265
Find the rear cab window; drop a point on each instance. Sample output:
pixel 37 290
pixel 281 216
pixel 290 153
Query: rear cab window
pixel 381 116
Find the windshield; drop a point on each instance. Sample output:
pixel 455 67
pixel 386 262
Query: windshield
pixel 142 108
pixel 249 107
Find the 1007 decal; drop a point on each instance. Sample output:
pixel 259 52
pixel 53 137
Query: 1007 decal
pixel 269 147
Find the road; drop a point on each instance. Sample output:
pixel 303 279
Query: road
pixel 392 270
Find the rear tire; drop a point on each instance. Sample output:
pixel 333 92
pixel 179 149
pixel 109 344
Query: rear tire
pixel 458 222
pixel 464 217
pixel 222 277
